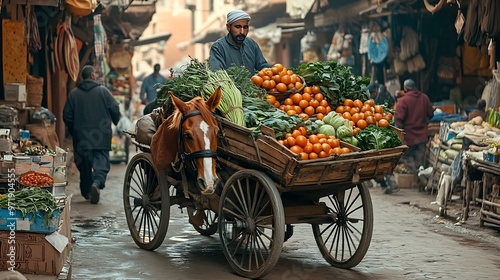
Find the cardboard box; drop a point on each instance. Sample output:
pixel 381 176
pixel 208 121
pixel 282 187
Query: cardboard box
pixel 15 92
pixel 38 253
pixel 38 223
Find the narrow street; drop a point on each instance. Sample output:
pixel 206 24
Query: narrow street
pixel 408 242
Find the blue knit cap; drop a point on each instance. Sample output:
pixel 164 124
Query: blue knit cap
pixel 237 15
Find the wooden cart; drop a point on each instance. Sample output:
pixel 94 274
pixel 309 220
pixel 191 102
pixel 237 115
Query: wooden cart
pixel 265 189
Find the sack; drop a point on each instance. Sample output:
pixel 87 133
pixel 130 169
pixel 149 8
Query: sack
pixel 145 128
pixel 81 7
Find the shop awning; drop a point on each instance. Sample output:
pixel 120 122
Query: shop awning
pixel 209 36
pixel 53 3
pixel 128 24
pixel 267 12
pixel 151 39
pixel 299 8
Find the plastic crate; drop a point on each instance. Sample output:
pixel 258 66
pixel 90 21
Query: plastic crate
pixel 30 223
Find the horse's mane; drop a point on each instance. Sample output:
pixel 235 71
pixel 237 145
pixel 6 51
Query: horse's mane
pixel 196 103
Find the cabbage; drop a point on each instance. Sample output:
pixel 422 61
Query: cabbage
pixel 351 140
pixel 337 121
pixel 344 132
pixel 319 122
pixel 329 117
pixel 327 130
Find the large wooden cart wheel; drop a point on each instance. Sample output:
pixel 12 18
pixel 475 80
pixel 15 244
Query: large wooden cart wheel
pixel 251 223
pixel 209 226
pixel 344 240
pixel 146 201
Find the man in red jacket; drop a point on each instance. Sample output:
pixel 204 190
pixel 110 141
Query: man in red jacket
pixel 412 114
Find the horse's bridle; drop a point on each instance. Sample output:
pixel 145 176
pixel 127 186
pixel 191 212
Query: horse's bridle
pixel 185 157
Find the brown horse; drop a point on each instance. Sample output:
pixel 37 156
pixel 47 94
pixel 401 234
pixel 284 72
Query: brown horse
pixel 188 137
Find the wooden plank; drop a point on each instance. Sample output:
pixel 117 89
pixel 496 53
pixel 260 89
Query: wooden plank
pixel 53 3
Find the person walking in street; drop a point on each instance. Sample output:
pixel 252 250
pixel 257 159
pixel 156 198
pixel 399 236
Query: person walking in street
pixel 479 111
pixel 88 113
pixel 235 49
pixel 413 112
pixel 148 90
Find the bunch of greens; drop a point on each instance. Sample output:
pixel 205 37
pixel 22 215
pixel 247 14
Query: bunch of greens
pixel 260 112
pixel 335 80
pixel 31 200
pixel 240 76
pixel 374 137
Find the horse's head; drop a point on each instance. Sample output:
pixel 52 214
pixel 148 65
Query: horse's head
pixel 197 137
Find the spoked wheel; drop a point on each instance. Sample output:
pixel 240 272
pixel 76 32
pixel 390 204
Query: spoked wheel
pixel 343 242
pixel 251 223
pixel 146 201
pixel 209 226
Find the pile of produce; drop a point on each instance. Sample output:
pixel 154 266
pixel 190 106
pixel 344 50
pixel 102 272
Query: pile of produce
pixel 494 118
pixel 36 179
pixel 335 80
pixel 278 79
pixel 198 80
pixel 30 200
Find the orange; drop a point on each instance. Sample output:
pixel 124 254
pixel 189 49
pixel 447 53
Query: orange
pixel 319 96
pixel 279 66
pixel 334 142
pixel 323 154
pixel 383 123
pixel 303 131
pixel 296 149
pixel 348 102
pixel 377 116
pixel 269 72
pixel 388 116
pixel 307 90
pixel 339 109
pixel 275 70
pixel 298 85
pixel 326 147
pixel 261 73
pixel 370 102
pixel 346 115
pixel 304 156
pixel 313 138
pixel 355 131
pixel 355 117
pixel 379 109
pixel 271 98
pixel 313 155
pixel 354 110
pixel 337 150
pixel 285 79
pixel 321 135
pixel 288 101
pixel 291 112
pixel 257 80
pixel 345 150
pixel 309 110
pixel 361 124
pixel 277 104
pixel 321 109
pixel 365 108
pixel 303 104
pixel 314 103
pixel 294 79
pixel 304 116
pixel 370 120
pixel 308 148
pixel 290 85
pixel 276 78
pixel 317 148
pixel 296 98
pixel 328 109
pixel 297 109
pixel 306 96
pixel 266 84
pixel 357 103
pixel 287 107
pixel 296 133
pixel 273 83
pixel 281 87
pixel 315 89
pixel 323 103
pixel 368 113
pixel 291 141
pixel 320 116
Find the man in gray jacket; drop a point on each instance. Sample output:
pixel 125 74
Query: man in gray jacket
pixel 88 113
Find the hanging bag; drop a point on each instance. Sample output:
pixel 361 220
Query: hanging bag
pixel 81 7
pixel 460 20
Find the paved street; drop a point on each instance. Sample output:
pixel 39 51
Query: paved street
pixel 409 242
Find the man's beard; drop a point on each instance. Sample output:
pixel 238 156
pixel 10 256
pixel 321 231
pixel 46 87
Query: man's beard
pixel 238 39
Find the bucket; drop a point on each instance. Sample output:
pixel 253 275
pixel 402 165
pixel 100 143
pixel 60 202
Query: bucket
pixel 405 181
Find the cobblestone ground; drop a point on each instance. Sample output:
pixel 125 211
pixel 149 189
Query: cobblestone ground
pixel 409 242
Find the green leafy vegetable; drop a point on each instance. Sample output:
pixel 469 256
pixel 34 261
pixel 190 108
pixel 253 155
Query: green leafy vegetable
pixel 374 137
pixel 335 80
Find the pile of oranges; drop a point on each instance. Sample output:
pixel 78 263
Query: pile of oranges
pixel 313 146
pixel 277 79
pixel 310 101
pixel 362 114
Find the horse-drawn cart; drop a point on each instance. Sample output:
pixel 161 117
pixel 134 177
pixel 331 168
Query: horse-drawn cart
pixel 264 189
